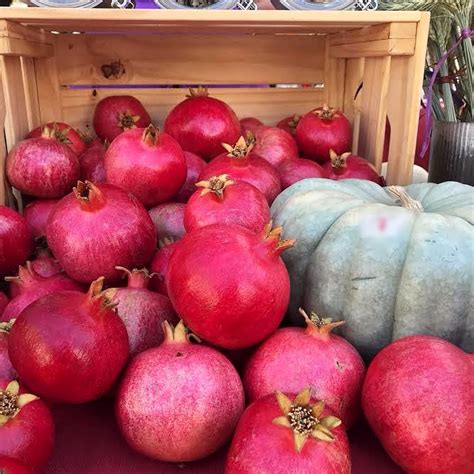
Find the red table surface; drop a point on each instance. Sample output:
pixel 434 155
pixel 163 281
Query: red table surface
pixel 88 442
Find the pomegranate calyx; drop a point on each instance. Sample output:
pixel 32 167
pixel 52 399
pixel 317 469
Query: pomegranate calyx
pixel 250 138
pixel 293 123
pixel 165 242
pixel 273 238
pixel 178 334
pixel 86 136
pixel 325 112
pixel 319 326
pixel 403 199
pixel 216 185
pixel 137 278
pixel 200 91
pixel 305 419
pixel 240 150
pixel 103 298
pixel 88 194
pixel 151 135
pixel 6 326
pixel 339 161
pixel 11 402
pixel 53 132
pixel 26 274
pixel 127 121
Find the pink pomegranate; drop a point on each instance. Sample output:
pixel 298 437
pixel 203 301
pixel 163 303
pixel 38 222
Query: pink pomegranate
pixel 3 302
pixel 149 164
pixel 249 124
pixel 169 220
pixel 282 435
pixel 16 240
pixel 195 165
pixel 13 466
pixel 64 134
pixel 96 228
pixel 26 427
pixel 311 357
pixel 30 286
pixel 69 346
pixel 224 201
pixel 42 167
pixel 242 165
pixel 201 124
pixel 141 310
pixel 44 264
pixel 116 114
pixel 273 144
pixel 229 284
pixel 322 130
pixel 413 389
pixel 6 368
pixel 347 166
pixel 92 163
pixel 37 214
pixel 295 170
pixel 159 265
pixel 289 124
pixel 180 401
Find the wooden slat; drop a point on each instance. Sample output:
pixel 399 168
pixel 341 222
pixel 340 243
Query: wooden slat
pixel 335 71
pixel 386 47
pixel 31 93
pixel 269 105
pixel 352 100
pixel 374 109
pixel 20 47
pixel 191 59
pixel 48 90
pixel 372 33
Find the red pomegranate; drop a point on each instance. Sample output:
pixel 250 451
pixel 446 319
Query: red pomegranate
pixel 281 435
pixel 118 113
pixel 96 228
pixel 321 130
pixel 26 427
pixel 141 310
pixel 289 124
pixel 242 165
pixel 159 265
pixel 44 264
pixel 201 124
pixel 16 240
pixel 64 134
pixel 229 284
pixel 37 214
pixel 169 220
pixel 195 165
pixel 69 346
pixel 249 124
pixel 413 389
pixel 13 466
pixel 347 166
pixel 311 357
pixel 29 286
pixel 295 170
pixel 180 401
pixel 3 302
pixel 92 163
pixel 224 201
pixel 42 167
pixel 274 145
pixel 6 368
pixel 149 164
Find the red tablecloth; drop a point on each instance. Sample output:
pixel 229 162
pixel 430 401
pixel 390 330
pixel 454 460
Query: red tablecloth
pixel 87 442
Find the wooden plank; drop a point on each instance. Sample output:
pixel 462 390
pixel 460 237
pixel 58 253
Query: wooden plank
pixel 404 96
pixel 49 96
pixel 352 99
pixel 174 59
pixel 376 32
pixel 15 30
pixel 386 47
pixel 268 104
pixel 335 72
pixel 21 47
pixel 374 109
pixel 31 93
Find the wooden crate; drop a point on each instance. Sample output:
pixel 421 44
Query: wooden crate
pixel 51 67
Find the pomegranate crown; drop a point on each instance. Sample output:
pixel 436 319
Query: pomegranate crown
pixel 126 120
pixel 305 419
pixel 54 132
pixel 240 150
pixel 199 91
pixel 293 122
pixel 26 274
pixel 273 238
pixel 338 161
pixel 164 242
pixel 100 297
pixel 216 185
pixel 11 401
pixel 325 112
pixel 319 326
pixel 137 278
pixel 6 326
pixel 89 195
pixel 178 334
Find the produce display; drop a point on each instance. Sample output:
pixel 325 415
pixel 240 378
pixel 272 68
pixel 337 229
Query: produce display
pixel 224 285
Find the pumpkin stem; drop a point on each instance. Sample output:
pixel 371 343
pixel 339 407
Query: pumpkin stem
pixel 403 198
pixel 321 327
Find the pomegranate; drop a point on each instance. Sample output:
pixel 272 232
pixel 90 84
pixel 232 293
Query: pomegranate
pixel 16 240
pixel 69 346
pixel 195 166
pixel 6 368
pixel 96 228
pixel 44 264
pixel 92 163
pixel 29 286
pixel 169 220
pixel 241 164
pixel 321 130
pixel 180 401
pixel 149 164
pixel 295 170
pixel 281 435
pixel 201 124
pixel 289 124
pixel 224 201
pixel 274 145
pixel 118 113
pixel 13 466
pixel 26 427
pixel 3 302
pixel 42 167
pixel 64 134
pixel 37 214
pixel 347 166
pixel 141 310
pixel 249 124
pixel 296 357
pixel 159 265
pixel 229 284
pixel 413 389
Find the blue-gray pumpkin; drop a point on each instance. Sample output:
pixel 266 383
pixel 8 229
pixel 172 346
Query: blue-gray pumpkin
pixel 391 261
